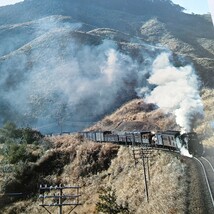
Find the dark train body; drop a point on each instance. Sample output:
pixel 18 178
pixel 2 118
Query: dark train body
pixel 172 140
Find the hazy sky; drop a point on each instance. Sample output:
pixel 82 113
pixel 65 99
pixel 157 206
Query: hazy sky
pixel 211 6
pixel 6 2
pixel 195 6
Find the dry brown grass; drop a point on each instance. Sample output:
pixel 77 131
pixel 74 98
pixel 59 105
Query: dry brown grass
pixel 137 115
pixel 167 187
pixel 93 166
pixel 205 128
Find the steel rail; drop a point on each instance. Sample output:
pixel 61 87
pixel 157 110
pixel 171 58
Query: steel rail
pixel 209 163
pixel 206 178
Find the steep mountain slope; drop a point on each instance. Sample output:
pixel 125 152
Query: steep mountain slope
pixel 49 46
pixel 137 115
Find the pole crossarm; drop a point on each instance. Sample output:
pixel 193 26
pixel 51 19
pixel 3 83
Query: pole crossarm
pixel 45 187
pixel 59 196
pixel 56 205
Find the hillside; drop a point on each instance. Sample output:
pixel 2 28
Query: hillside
pixel 137 115
pixel 71 159
pixel 44 41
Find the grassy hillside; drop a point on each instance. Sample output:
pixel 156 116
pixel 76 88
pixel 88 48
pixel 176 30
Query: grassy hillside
pixel 94 166
pixel 137 115
pixel 71 159
pixel 43 39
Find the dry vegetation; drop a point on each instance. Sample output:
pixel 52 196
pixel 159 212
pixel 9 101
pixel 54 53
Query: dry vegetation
pixel 206 126
pixel 137 115
pixel 76 161
pixel 93 166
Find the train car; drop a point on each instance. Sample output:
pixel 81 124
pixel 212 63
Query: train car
pixel 122 138
pixel 167 139
pixel 135 138
pixel 146 137
pixel 84 134
pixel 172 140
pixel 100 136
pixel 91 136
pixel 130 138
pixel 113 138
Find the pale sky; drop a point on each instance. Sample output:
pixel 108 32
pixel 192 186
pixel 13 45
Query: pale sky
pixel 195 6
pixel 6 2
pixel 211 6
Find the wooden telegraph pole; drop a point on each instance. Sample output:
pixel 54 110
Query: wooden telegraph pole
pixel 59 196
pixel 143 152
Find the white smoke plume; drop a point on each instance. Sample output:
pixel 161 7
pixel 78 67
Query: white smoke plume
pixel 62 75
pixel 183 150
pixel 176 90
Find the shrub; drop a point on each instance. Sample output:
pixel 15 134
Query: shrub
pixel 31 136
pixel 13 153
pixel 23 135
pixel 9 131
pixel 108 202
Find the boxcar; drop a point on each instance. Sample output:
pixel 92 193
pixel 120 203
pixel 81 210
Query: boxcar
pixel 100 136
pixel 167 139
pixel 111 138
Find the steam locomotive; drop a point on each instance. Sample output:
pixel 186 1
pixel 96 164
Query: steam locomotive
pixel 172 140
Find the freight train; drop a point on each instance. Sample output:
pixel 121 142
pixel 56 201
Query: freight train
pixel 172 140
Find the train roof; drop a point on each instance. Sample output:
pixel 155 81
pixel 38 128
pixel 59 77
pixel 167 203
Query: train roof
pixel 189 134
pixel 169 132
pixel 138 132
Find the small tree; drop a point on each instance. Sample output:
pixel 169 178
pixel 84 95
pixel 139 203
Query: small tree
pixel 9 131
pixel 30 136
pixel 108 203
pixel 13 153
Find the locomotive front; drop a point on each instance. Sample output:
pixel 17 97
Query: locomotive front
pixel 191 142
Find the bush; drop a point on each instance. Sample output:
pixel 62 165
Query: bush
pixel 31 136
pixel 108 203
pixel 9 131
pixel 13 153
pixel 23 135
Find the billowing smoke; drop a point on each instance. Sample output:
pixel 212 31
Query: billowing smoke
pixel 175 90
pixel 63 76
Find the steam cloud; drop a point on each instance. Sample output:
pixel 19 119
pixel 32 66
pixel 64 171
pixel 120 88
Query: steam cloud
pixel 176 90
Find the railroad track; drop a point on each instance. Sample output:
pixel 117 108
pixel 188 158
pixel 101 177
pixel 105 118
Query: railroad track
pixel 208 174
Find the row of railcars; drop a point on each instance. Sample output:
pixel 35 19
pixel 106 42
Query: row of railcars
pixel 171 140
pixel 127 138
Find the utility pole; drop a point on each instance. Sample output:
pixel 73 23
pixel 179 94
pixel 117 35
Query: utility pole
pixel 59 196
pixel 145 155
pixel 143 152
